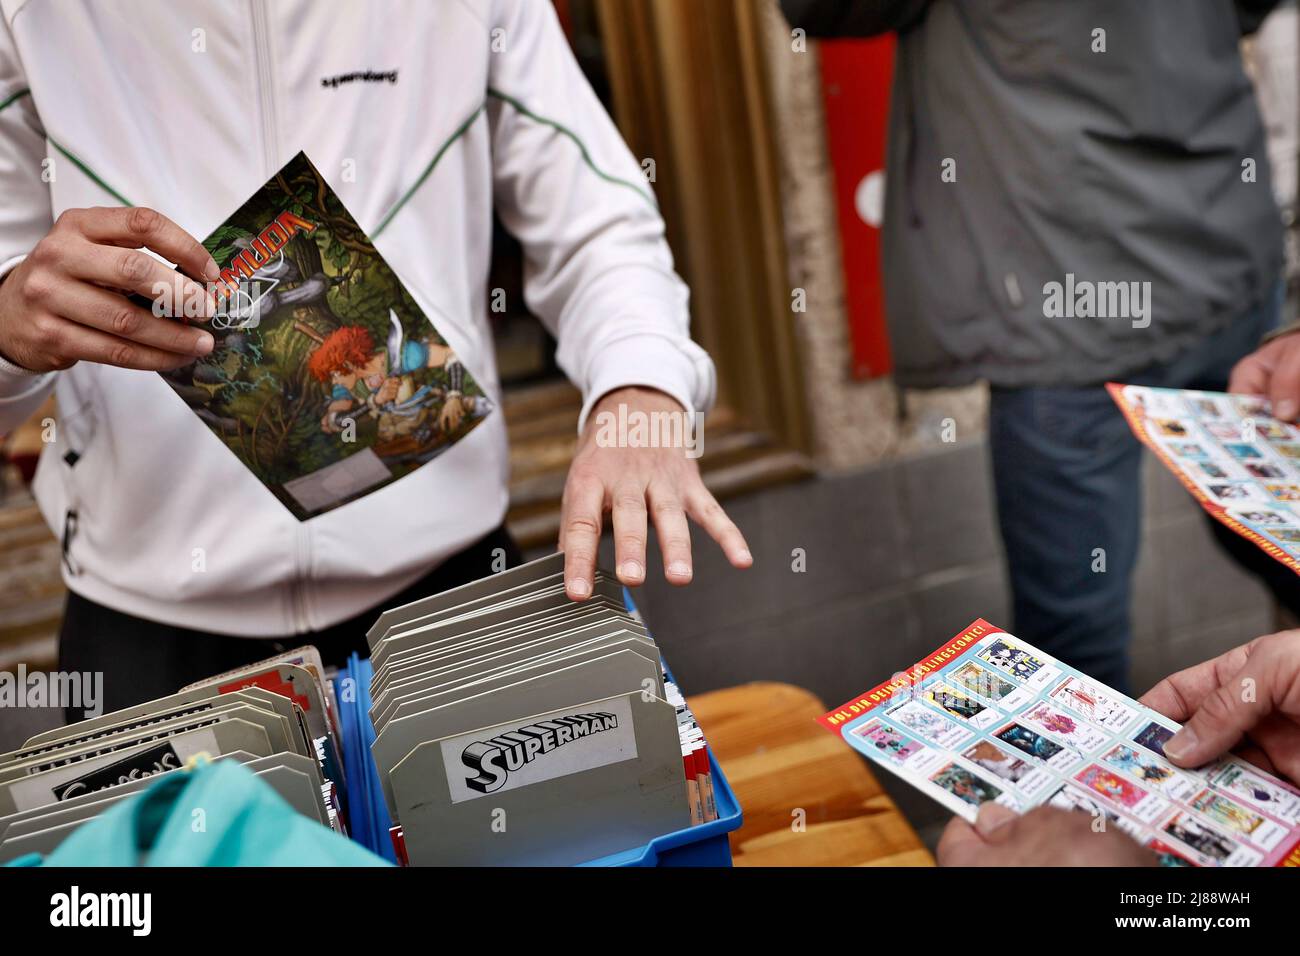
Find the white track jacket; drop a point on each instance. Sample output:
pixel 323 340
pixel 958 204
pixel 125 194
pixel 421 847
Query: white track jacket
pixel 445 110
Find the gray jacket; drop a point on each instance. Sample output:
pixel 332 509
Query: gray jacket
pixel 1098 221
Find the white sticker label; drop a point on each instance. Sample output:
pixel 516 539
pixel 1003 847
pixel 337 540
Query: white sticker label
pixel 518 754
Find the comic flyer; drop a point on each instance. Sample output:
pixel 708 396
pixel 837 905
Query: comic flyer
pixel 990 717
pixel 1241 464
pixel 327 380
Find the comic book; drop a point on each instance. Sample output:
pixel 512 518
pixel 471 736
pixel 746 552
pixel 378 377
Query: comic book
pixel 989 717
pixel 1239 462
pixel 327 380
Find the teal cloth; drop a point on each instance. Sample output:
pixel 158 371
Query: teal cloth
pixel 216 814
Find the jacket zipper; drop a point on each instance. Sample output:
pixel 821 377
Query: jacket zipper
pixel 266 85
pixel 266 99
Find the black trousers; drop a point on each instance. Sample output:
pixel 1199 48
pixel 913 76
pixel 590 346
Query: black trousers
pixel 143 660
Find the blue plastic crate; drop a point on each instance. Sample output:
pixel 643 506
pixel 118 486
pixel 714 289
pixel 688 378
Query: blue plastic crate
pixel 703 845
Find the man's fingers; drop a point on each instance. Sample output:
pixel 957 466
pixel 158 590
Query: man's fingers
pixel 1250 376
pixel 113 313
pixel 584 501
pixel 138 227
pixel 1284 384
pixel 960 844
pixel 1178 695
pixel 708 514
pixel 138 272
pixel 674 533
pixel 630 528
pixel 72 342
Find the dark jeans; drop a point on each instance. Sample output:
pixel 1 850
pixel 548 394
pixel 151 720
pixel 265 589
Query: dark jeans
pixel 143 660
pixel 1067 476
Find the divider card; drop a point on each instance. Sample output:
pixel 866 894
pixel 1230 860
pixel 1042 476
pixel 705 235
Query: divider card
pixel 990 717
pixel 1240 463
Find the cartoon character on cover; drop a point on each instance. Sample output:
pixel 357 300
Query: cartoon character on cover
pixel 385 382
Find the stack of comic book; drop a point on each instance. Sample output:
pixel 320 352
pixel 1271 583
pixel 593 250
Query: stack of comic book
pixel 274 717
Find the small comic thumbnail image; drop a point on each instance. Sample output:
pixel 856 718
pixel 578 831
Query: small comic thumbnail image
pixel 1208 406
pixel 1101 706
pixel 1201 837
pixel 1242 451
pixel 955 702
pixel 1166 855
pixel 1188 449
pixel 1261 516
pixel 1030 742
pixel 980 681
pixel 1235 491
pixel 1224 431
pixel 894 745
pixel 1171 427
pixel 1149 770
pixel 1112 786
pixel 1153 737
pixel 1232 815
pixel 1288 449
pixel 1268 428
pixel 998 762
pixel 1154 402
pixel 1011 659
pixel 1073 731
pixel 965 785
pixel 1283 490
pixel 927 724
pixel 1072 798
pixel 1287 535
pixel 1265 469
pixel 1251 788
pixel 1251 406
pixel 1212 469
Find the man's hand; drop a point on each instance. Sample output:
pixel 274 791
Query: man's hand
pixel 1044 836
pixel 67 301
pixel 1252 692
pixel 634 483
pixel 1272 370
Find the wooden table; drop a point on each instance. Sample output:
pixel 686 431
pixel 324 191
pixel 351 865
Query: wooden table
pixel 780 762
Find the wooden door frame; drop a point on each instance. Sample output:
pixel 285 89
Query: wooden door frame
pixel 691 92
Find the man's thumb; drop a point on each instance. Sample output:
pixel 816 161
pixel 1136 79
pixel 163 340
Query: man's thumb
pixel 1218 724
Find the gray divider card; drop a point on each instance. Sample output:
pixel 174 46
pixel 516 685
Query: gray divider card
pixel 295 682
pixel 100 800
pixel 164 722
pixel 460 681
pixel 488 651
pixel 194 699
pixel 478 629
pixel 147 759
pixel 530 691
pixel 276 728
pixel 559 787
pixel 488 610
pixel 493 584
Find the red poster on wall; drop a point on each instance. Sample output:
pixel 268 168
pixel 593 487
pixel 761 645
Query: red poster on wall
pixel 856 79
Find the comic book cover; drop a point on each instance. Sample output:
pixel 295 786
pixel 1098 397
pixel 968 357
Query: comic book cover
pixel 990 718
pixel 327 380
